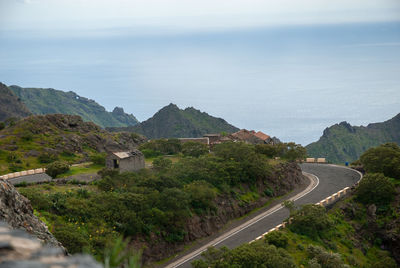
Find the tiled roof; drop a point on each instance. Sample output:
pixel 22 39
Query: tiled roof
pixel 262 135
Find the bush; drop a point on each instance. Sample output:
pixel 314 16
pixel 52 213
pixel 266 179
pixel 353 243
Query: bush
pixel 383 159
pixel 98 159
pixel 46 157
pixel 194 149
pixel 310 220
pixel 71 238
pixel 277 238
pixel 201 194
pixel 56 168
pixel 161 163
pixel 375 189
pixel 12 157
pixel 321 258
pixel 2 125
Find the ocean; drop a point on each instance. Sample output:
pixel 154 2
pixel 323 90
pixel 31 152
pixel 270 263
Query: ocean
pixel 288 81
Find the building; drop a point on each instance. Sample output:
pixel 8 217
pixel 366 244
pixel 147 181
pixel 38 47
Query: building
pixel 205 141
pixel 213 138
pixel 125 161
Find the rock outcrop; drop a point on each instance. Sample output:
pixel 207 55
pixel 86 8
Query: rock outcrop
pixel 10 105
pixel 18 249
pixel 17 211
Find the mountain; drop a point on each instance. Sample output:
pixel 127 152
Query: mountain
pixel 172 122
pixel 50 101
pixel 343 142
pixel 10 105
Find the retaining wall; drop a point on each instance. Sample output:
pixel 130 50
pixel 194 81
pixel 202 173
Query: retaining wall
pixel 23 173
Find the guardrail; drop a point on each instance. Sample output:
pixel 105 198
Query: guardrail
pixel 23 173
pixel 327 201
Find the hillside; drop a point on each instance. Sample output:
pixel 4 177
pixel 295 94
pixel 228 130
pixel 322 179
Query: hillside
pixel 37 140
pixel 50 101
pixel 343 142
pixel 172 122
pixel 10 105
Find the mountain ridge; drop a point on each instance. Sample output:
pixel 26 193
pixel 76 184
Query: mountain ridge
pixel 42 101
pixel 172 122
pixel 345 143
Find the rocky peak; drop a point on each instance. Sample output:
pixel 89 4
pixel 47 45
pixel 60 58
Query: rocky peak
pixel 118 111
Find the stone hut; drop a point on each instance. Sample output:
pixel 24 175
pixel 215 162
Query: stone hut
pixel 125 161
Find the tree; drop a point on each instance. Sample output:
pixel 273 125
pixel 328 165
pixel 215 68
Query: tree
pixel 195 149
pixel 375 189
pixel 383 159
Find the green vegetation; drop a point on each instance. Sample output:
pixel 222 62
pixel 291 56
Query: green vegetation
pixel 343 142
pixel 57 168
pixel 159 147
pixel 289 151
pixel 194 149
pixel 37 141
pixel 359 231
pixel 347 242
pixel 50 101
pixel 383 159
pixel 375 189
pixel 172 122
pixel 153 206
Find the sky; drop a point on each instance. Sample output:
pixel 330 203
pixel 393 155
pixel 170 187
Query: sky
pixel 288 68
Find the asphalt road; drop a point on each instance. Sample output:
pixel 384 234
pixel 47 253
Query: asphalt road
pixel 42 177
pixel 331 179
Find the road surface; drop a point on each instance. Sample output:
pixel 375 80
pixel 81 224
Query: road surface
pixel 327 180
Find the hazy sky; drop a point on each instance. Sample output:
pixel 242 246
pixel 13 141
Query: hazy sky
pixel 288 68
pixel 188 14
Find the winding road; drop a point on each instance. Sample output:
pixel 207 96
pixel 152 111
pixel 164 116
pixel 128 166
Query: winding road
pixel 325 181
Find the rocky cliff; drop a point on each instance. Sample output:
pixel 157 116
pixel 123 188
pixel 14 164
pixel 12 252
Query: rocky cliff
pixel 17 211
pixel 172 122
pixel 10 105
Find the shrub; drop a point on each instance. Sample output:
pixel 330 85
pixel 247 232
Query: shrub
pixel 161 163
pixel 46 157
pixel 56 168
pixel 13 167
pixel 12 157
pixel 375 189
pixel 201 194
pixel 71 238
pixel 277 238
pixel 194 149
pixel 321 258
pixel 98 159
pixel 310 220
pixel 2 125
pixel 383 159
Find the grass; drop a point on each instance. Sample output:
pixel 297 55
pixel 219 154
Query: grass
pixel 81 170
